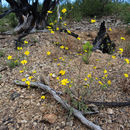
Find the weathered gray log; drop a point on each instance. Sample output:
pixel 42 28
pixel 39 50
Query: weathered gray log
pixel 75 112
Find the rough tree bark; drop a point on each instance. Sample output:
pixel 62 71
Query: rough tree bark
pixel 28 15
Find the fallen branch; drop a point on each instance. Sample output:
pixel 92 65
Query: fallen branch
pixel 76 112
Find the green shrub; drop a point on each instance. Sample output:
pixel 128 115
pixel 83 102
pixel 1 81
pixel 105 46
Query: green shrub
pixel 12 20
pixel 126 47
pixel 87 48
pixel 2 53
pixel 13 63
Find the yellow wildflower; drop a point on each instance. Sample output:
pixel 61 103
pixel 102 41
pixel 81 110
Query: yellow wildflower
pixel 9 57
pixel 62 47
pixel 106 75
pixel 64 10
pixel 100 82
pixel 109 82
pixel 43 97
pixel 57 28
pixel 69 31
pixel 113 57
pixel 50 12
pixel 21 71
pixel 26 53
pixel 60 18
pixel 60 58
pixel 64 81
pixel 78 38
pixel 66 48
pixel 122 38
pixel 127 61
pixel 52 32
pixel 110 29
pixel 63 59
pixel 26 42
pixel 48 27
pixel 27 82
pixel 16 61
pixel 50 74
pixel 24 62
pixel 105 71
pixel 96 78
pixel 85 79
pixel 62 72
pixel 19 48
pixel 34 71
pixel 93 20
pixel 48 53
pixel 103 77
pixel 94 67
pixel 55 21
pixel 57 78
pixel 65 24
pixel 85 51
pixel 70 85
pixel 58 64
pixel 121 49
pixel 51 24
pixel 30 77
pixel 89 76
pixel 126 75
pixel 24 79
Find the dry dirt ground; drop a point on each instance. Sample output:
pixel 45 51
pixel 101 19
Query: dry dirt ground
pixel 27 111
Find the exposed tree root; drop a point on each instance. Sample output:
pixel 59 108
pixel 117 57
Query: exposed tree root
pixel 75 112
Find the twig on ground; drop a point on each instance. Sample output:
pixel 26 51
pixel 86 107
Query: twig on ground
pixel 75 112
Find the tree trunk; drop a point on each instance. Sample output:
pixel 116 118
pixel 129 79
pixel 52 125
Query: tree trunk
pixel 28 16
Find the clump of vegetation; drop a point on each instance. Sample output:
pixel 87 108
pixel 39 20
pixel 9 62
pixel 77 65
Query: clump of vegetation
pixel 127 31
pixel 2 53
pixel 13 21
pixel 13 63
pixel 126 49
pixel 87 48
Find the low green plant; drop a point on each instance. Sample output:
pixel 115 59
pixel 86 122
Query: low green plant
pixel 13 20
pixel 87 48
pixel 2 53
pixel 128 31
pixel 13 63
pixel 126 52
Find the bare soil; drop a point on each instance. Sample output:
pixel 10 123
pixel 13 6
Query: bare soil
pixel 28 111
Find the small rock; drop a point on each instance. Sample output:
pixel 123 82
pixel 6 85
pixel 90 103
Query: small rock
pixel 14 95
pixel 98 51
pixel 70 123
pixel 53 75
pixel 42 109
pixel 44 80
pixel 51 118
pixel 93 107
pixel 93 34
pixel 62 123
pixel 84 42
pixel 110 111
pixel 23 121
pixel 109 121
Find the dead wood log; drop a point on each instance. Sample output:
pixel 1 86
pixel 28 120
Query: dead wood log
pixel 75 112
pixel 28 15
pixel 103 41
